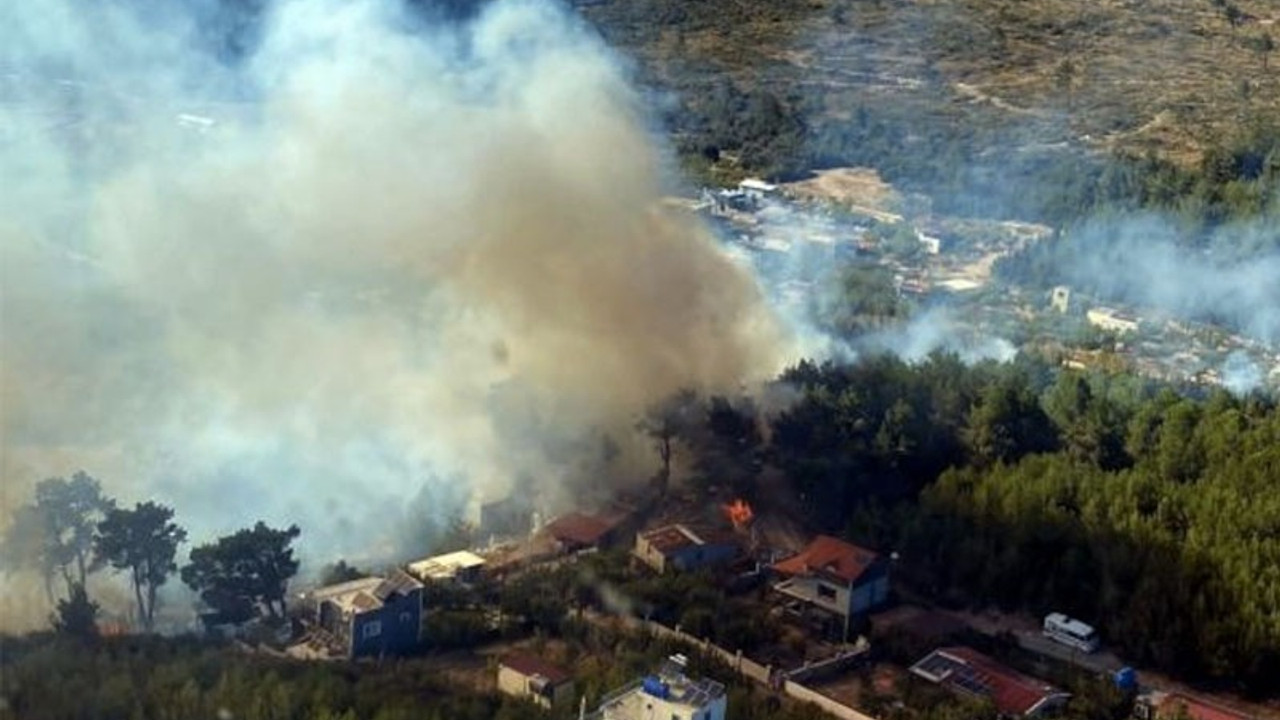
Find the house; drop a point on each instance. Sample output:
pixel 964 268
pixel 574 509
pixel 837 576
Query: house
pixel 1060 299
pixel 676 547
pixel 756 189
pixel 508 517
pixel 525 675
pixel 371 616
pixel 966 671
pixel 461 566
pixel 577 532
pixel 932 244
pixel 1166 706
pixel 669 693
pixel 1112 320
pixel 836 577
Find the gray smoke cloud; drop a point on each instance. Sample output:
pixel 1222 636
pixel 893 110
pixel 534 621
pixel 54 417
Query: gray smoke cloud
pixel 377 270
pixel 1144 260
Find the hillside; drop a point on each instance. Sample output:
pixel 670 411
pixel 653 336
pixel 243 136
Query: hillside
pixel 1044 110
pixel 1167 75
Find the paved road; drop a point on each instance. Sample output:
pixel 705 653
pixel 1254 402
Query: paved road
pixel 1101 661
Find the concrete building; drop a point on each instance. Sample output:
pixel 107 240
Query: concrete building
pixel 835 577
pixel 667 694
pixel 525 675
pixel 1060 299
pixel 370 616
pixel 933 244
pixel 676 547
pixel 462 566
pixel 757 189
pixel 968 672
pixel 1112 320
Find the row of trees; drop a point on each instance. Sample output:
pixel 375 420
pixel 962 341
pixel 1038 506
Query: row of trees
pixel 72 529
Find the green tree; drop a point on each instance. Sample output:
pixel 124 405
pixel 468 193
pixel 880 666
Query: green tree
pixel 55 535
pixel 1006 424
pixel 77 615
pixel 665 423
pixel 143 541
pixel 28 547
pixel 241 573
pixel 340 572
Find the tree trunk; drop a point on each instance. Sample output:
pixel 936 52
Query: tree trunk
pixel 81 567
pixel 137 594
pixel 48 588
pixel 70 581
pixel 151 607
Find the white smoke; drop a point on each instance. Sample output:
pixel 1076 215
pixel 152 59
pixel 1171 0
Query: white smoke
pixel 380 259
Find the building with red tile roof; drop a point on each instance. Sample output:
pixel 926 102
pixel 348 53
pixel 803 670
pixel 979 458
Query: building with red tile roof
pixel 967 671
pixel 829 557
pixel 580 531
pixel 835 576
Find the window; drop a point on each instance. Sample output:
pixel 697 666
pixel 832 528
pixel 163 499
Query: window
pixel 826 592
pixel 372 629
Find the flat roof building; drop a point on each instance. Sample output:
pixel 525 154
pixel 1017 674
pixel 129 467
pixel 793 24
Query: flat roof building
pixel 677 547
pixel 462 565
pixel 669 693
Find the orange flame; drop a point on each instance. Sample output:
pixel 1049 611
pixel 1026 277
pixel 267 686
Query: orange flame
pixel 739 513
pixel 112 629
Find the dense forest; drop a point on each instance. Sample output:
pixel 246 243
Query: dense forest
pixel 1153 514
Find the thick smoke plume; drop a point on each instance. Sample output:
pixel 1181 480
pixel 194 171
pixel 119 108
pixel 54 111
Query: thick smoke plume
pixel 379 264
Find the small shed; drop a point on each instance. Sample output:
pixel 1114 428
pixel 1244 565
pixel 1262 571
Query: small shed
pixel 526 675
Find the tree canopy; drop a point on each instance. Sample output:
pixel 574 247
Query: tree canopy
pixel 144 542
pixel 55 534
pixel 240 574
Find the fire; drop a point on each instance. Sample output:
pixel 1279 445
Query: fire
pixel 739 513
pixel 112 629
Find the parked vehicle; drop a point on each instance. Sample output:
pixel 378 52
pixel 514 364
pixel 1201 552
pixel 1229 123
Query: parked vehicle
pixel 1069 631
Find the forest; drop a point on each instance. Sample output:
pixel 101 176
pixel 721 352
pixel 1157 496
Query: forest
pixel 1153 514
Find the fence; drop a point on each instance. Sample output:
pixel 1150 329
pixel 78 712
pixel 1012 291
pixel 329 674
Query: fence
pixel 788 682
pixel 831 665
pixel 840 710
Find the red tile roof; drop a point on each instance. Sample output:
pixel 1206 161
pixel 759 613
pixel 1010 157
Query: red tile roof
pixel 530 665
pixel 829 556
pixel 1197 709
pixel 579 528
pixel 968 670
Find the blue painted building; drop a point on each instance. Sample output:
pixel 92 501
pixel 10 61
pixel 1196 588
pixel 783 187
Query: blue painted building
pixel 835 577
pixel 374 616
pixel 677 547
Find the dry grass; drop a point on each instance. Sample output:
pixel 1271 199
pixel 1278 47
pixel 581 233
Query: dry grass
pixel 1163 75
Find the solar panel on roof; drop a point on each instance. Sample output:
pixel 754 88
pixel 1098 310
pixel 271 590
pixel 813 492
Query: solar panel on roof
pixel 970 683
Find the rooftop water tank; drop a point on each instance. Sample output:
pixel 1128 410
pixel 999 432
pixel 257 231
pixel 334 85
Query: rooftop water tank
pixel 1126 678
pixel 655 687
